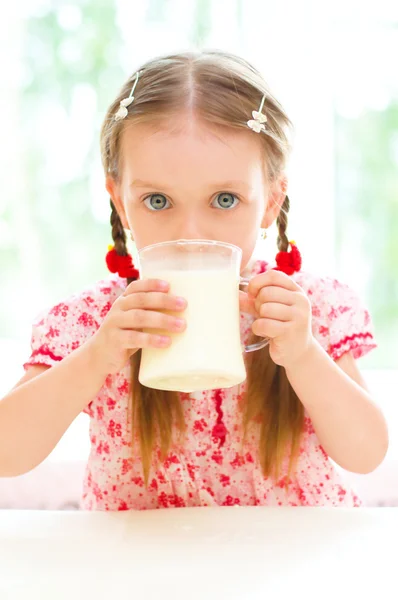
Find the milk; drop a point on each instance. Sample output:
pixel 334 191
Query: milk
pixel 208 354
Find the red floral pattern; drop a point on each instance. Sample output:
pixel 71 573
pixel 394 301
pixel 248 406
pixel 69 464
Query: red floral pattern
pixel 209 468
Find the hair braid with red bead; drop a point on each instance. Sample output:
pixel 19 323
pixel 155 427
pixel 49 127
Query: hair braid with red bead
pixel 288 262
pixel 118 258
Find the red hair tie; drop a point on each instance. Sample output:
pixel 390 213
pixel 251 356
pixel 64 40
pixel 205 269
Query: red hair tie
pixel 289 262
pixel 123 265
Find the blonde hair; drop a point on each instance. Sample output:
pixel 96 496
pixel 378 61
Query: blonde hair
pixel 222 89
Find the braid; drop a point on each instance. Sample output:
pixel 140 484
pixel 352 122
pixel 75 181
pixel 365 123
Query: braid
pixel 118 234
pixel 283 241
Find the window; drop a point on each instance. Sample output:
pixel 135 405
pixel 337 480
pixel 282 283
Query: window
pixel 331 67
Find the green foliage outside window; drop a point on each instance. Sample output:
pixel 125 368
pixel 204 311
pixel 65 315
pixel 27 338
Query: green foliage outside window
pixel 58 238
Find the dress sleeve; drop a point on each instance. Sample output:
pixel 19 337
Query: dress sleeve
pixel 61 330
pixel 341 322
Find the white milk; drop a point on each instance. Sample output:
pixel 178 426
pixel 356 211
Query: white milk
pixel 208 354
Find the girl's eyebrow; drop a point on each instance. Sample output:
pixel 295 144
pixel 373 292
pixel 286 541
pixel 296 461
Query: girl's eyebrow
pixel 139 183
pixel 147 184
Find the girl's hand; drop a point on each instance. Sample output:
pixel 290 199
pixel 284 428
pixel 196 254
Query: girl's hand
pixel 283 314
pixel 120 335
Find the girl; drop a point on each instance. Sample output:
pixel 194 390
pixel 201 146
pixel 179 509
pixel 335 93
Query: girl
pixel 185 156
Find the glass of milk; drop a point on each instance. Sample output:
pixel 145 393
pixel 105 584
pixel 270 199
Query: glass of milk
pixel 209 353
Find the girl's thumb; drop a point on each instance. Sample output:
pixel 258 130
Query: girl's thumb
pixel 246 304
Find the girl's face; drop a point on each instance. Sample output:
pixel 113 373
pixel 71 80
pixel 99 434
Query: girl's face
pixel 195 182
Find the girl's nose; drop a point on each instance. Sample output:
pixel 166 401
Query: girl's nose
pixel 190 229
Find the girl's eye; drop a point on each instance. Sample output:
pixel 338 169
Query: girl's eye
pixel 225 200
pixel 156 202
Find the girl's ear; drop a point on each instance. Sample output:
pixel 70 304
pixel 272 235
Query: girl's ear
pixel 113 190
pixel 276 198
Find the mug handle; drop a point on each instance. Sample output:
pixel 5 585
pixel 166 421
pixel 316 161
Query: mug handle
pixel 252 347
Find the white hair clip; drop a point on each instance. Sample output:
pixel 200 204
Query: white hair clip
pixel 122 110
pixel 257 123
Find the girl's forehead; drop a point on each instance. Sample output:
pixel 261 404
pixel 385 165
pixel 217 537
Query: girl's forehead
pixel 191 145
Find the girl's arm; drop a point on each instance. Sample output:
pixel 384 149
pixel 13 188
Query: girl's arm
pixel 38 411
pixel 35 414
pixel 350 427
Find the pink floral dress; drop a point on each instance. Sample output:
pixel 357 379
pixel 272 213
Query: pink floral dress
pixel 208 470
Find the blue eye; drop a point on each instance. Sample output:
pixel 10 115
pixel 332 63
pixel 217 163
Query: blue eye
pixel 156 202
pixel 225 200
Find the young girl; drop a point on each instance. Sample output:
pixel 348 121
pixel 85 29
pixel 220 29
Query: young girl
pixel 195 146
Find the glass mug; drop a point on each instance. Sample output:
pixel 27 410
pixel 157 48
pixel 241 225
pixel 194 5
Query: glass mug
pixel 209 353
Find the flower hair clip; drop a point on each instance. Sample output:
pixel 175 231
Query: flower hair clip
pixel 122 110
pixel 257 123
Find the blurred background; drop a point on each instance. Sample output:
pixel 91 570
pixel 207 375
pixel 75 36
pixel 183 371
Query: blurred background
pixel 331 65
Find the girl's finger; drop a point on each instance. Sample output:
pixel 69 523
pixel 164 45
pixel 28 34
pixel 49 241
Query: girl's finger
pixel 146 285
pixel 139 339
pixel 273 293
pixel 153 301
pixel 150 319
pixel 275 311
pixel 272 278
pixel 268 328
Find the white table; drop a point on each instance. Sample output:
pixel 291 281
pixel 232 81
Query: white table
pixel 200 553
